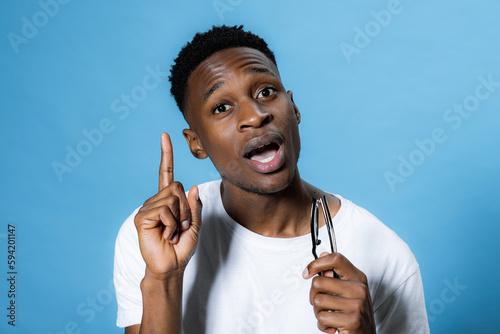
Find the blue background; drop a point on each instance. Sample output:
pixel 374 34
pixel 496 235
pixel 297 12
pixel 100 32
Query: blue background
pixel 361 114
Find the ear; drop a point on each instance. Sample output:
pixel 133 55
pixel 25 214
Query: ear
pixel 194 144
pixel 297 112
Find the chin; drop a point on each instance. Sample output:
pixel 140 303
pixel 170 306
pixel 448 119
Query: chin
pixel 265 187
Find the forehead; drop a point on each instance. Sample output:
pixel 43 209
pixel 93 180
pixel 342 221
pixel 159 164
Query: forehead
pixel 226 62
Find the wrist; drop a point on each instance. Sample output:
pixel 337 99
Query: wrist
pixel 171 281
pixel 162 295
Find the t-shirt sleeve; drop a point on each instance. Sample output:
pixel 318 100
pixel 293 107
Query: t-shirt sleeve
pixel 129 269
pixel 403 311
pixel 392 270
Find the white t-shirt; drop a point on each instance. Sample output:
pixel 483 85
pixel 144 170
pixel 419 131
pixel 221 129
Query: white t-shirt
pixel 241 282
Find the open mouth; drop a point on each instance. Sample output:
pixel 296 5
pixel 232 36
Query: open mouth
pixel 264 153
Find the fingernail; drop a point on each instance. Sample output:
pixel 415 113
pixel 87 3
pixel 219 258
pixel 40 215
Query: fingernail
pixel 185 225
pixel 175 238
pixel 305 273
pixel 173 234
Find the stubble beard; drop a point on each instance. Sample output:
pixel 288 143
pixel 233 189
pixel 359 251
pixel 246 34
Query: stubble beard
pixel 258 190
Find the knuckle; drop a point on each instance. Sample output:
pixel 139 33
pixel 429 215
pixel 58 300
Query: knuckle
pixel 146 202
pixel 177 186
pixel 163 212
pixel 322 318
pixel 172 201
pixel 355 322
pixel 335 257
pixel 149 201
pixel 363 278
pixel 318 300
pixel 323 328
pixel 316 283
pixel 362 290
pixel 137 220
pixel 360 306
pixel 312 267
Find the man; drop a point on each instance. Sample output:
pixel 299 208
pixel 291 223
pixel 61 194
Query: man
pixel 229 256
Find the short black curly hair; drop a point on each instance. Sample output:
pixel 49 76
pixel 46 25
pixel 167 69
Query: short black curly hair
pixel 205 45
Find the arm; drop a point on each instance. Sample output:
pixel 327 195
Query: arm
pixel 404 309
pixel 133 329
pixel 167 224
pixel 162 298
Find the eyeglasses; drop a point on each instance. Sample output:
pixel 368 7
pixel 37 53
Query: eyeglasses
pixel 315 226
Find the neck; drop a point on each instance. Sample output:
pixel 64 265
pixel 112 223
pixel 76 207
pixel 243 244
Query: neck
pixel 283 214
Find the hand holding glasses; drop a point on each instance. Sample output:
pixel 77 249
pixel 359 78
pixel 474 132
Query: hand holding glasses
pixel 315 227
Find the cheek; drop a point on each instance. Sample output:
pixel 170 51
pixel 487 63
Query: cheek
pixel 220 147
pixel 292 121
pixel 294 132
pixel 226 162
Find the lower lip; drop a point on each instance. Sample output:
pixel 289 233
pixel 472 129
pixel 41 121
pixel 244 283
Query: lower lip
pixel 270 166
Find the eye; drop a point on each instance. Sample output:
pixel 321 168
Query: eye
pixel 221 108
pixel 268 91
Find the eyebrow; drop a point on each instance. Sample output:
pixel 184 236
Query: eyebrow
pixel 249 70
pixel 212 89
pixel 256 69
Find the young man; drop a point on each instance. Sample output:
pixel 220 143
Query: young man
pixel 229 256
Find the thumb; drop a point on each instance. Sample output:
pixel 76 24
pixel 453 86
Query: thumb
pixel 195 206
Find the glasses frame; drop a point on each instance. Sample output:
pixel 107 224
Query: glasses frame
pixel 316 203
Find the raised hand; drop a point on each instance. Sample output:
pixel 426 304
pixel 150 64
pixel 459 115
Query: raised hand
pixel 169 222
pixel 344 303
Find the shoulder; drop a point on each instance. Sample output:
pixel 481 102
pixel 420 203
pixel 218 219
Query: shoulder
pixel 375 249
pixel 127 251
pixel 128 232
pixel 210 191
pixel 375 237
pixel 128 272
pixel 210 197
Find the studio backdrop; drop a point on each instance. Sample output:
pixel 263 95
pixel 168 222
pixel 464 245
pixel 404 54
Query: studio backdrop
pixel 400 104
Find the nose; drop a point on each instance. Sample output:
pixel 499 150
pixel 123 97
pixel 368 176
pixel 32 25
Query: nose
pixel 252 115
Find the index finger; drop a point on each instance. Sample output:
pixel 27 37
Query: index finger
pixel 335 261
pixel 167 162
